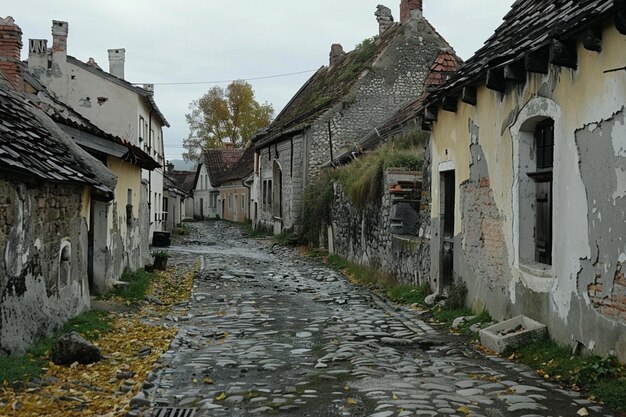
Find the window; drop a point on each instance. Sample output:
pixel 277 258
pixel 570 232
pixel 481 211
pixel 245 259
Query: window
pixel 141 129
pixel 544 150
pixel 535 137
pixel 65 270
pixel 129 197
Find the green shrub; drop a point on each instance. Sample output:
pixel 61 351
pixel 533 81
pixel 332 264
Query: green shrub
pixel 315 214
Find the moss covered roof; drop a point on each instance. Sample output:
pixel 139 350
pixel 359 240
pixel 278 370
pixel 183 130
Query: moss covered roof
pixel 328 86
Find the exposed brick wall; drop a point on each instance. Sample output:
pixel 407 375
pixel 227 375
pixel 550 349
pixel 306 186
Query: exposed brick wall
pixel 613 305
pixel 483 238
pixel 406 6
pixel 10 47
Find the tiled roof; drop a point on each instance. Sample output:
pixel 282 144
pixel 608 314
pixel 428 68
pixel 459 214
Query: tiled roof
pixel 31 145
pixel 65 115
pixel 529 26
pixel 243 168
pixel 95 69
pixel 183 180
pixel 220 162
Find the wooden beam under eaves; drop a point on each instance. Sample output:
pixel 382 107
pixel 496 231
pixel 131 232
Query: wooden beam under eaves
pixel 563 53
pixel 495 79
pixel 620 15
pixel 537 61
pixel 449 103
pixel 430 113
pixel 592 39
pixel 515 72
pixel 470 95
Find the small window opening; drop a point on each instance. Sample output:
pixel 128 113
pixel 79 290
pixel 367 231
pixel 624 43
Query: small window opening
pixel 65 269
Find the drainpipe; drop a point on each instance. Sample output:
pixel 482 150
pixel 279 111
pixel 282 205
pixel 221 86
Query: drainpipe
pixel 243 182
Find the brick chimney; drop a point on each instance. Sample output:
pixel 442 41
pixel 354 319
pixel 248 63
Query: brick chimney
pixel 410 9
pixel 117 57
pixel 60 30
pixel 336 53
pixel 10 47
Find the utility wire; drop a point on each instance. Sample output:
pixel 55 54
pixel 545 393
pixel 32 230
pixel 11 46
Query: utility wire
pixel 230 81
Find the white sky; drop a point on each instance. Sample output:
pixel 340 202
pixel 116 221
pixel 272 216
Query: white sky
pixel 207 40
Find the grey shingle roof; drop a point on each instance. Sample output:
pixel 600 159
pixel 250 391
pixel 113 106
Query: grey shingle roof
pixel 529 26
pixel 31 145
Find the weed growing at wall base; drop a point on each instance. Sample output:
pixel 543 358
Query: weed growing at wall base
pixel 91 325
pixel 604 378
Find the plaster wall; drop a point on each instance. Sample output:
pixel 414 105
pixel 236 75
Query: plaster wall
pixel 202 197
pixel 235 198
pixel 580 297
pixel 37 294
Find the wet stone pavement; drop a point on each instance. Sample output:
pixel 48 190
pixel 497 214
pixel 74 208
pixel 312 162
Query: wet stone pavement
pixel 268 332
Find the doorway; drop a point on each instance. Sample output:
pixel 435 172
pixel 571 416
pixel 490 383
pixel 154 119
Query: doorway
pixel 448 188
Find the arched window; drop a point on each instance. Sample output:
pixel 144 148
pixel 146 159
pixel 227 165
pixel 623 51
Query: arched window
pixel 65 264
pixel 534 144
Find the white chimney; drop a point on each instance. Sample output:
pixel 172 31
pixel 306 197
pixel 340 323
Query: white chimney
pixel 117 58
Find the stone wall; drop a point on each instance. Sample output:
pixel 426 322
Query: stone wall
pixel 396 78
pixel 365 236
pixel 289 155
pixel 41 284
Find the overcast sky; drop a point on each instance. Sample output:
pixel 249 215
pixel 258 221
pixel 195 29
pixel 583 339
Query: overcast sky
pixel 170 41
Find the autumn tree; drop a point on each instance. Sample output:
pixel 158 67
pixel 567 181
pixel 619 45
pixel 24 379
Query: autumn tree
pixel 222 116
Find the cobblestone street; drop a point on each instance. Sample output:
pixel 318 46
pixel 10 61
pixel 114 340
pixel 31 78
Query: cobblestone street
pixel 268 332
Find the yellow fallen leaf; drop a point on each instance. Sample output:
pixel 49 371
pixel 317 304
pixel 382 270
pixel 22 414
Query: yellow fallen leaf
pixel 394 396
pixel 221 397
pixel 207 381
pixel 583 412
pixel 351 401
pixel 194 381
pixel 512 356
pixel 463 409
pixel 346 387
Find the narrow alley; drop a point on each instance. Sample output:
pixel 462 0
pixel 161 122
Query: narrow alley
pixel 270 332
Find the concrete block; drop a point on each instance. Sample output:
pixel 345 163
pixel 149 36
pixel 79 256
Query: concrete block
pixel 502 336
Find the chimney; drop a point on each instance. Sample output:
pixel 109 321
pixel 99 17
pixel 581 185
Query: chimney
pixel 384 18
pixel 38 54
pixel 336 53
pixel 59 37
pixel 117 57
pixel 149 88
pixel 410 9
pixel 10 47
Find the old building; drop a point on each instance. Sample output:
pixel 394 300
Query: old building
pixel 181 184
pixel 337 106
pixel 214 170
pixel 235 187
pixel 392 232
pixel 108 101
pixel 528 162
pixel 122 241
pixel 48 185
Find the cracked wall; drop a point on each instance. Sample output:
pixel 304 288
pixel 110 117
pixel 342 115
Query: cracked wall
pixel 35 221
pixel 602 150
